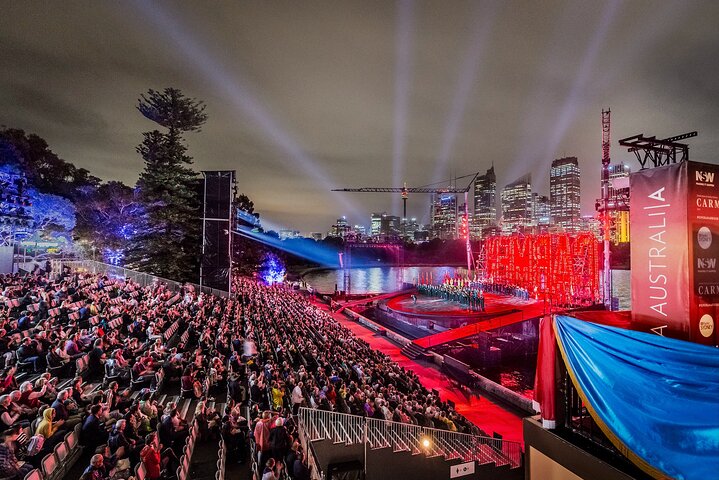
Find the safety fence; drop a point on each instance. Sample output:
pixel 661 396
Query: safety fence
pixel 403 437
pixel 143 279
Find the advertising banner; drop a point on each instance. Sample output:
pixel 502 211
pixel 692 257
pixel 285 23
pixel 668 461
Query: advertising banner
pixel 660 249
pixel 703 206
pixel 674 216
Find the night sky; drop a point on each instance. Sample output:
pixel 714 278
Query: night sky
pixel 307 96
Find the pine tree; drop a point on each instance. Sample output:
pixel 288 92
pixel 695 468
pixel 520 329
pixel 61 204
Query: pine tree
pixel 169 240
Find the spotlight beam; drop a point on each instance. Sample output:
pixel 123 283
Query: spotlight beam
pixel 402 81
pixel 483 22
pixel 307 250
pixel 574 98
pixel 237 92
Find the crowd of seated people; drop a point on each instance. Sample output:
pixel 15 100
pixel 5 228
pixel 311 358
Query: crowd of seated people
pixel 82 352
pixel 277 350
pixel 300 356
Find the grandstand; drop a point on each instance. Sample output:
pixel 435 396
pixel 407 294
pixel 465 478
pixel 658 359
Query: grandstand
pixel 195 385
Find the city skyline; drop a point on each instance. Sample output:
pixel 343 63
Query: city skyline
pixel 305 98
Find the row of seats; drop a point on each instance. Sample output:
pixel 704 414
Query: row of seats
pixel 171 331
pixel 222 458
pixel 56 465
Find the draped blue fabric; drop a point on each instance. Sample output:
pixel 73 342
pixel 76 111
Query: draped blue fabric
pixel 658 397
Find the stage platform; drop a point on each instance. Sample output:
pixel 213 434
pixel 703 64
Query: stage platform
pixel 446 314
pixel 446 321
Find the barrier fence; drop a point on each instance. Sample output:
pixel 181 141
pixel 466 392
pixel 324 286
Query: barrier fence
pixel 375 433
pixel 143 279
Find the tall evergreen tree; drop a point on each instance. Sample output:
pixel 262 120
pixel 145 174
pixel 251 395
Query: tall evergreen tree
pixel 169 240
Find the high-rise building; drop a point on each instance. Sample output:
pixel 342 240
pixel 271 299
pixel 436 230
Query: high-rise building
pixel 564 193
pixel 540 210
pixel 360 230
pixel 517 204
pixel 341 228
pixel 410 227
pixel 444 216
pixel 619 200
pixel 485 202
pixel 390 226
pixel 376 223
pixel 317 236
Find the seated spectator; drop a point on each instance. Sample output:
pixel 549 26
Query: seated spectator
pixel 272 470
pixel 10 467
pixel 50 429
pixel 66 410
pixel 93 433
pixel 96 470
pixel 8 416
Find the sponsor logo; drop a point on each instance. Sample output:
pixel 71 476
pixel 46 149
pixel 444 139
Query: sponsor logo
pixel 706 325
pixel 704 178
pixel 706 263
pixel 704 238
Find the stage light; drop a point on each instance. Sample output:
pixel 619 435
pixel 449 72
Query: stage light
pixel 426 442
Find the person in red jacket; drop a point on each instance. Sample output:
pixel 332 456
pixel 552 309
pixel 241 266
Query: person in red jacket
pixel 150 456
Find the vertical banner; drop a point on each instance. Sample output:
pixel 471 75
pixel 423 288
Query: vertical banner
pixel 704 251
pixel 660 249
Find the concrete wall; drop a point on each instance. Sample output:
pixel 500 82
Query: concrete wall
pixel 383 464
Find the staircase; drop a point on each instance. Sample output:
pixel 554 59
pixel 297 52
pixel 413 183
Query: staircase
pixel 413 351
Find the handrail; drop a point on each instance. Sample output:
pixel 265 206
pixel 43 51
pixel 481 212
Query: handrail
pixel 144 279
pixel 377 433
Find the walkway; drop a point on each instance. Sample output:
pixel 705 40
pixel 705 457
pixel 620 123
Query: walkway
pixel 526 312
pixel 487 415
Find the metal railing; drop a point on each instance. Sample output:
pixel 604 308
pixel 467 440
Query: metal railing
pixel 405 437
pixel 143 279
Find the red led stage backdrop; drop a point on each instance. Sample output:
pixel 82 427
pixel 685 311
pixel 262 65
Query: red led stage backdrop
pixel 561 268
pixel 674 216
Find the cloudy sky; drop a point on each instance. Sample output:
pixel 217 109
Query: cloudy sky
pixel 307 96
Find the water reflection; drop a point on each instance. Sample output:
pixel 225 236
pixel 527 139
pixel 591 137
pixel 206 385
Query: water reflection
pixel 374 279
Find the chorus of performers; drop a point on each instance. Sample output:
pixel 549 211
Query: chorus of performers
pixel 470 293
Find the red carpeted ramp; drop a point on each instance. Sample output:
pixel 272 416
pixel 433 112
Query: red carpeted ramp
pixel 527 312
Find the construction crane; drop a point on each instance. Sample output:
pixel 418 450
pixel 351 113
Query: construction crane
pixel 405 191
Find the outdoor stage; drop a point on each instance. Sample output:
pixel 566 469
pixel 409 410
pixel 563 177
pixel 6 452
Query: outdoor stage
pixel 434 313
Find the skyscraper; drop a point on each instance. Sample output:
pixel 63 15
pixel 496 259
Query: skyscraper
pixel 564 193
pixel 376 223
pixel 517 204
pixel 444 216
pixel 390 226
pixel 485 202
pixel 341 228
pixel 541 215
pixel 619 200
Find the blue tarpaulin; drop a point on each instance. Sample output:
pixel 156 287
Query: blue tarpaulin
pixel 656 398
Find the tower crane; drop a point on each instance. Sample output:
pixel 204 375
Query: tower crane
pixel 405 191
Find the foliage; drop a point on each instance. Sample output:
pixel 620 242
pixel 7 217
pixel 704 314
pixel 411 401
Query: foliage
pixel 273 269
pixel 51 212
pixel 169 231
pixel 107 216
pixel 43 169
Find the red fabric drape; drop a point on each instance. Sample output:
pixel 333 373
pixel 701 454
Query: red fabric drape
pixel 544 381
